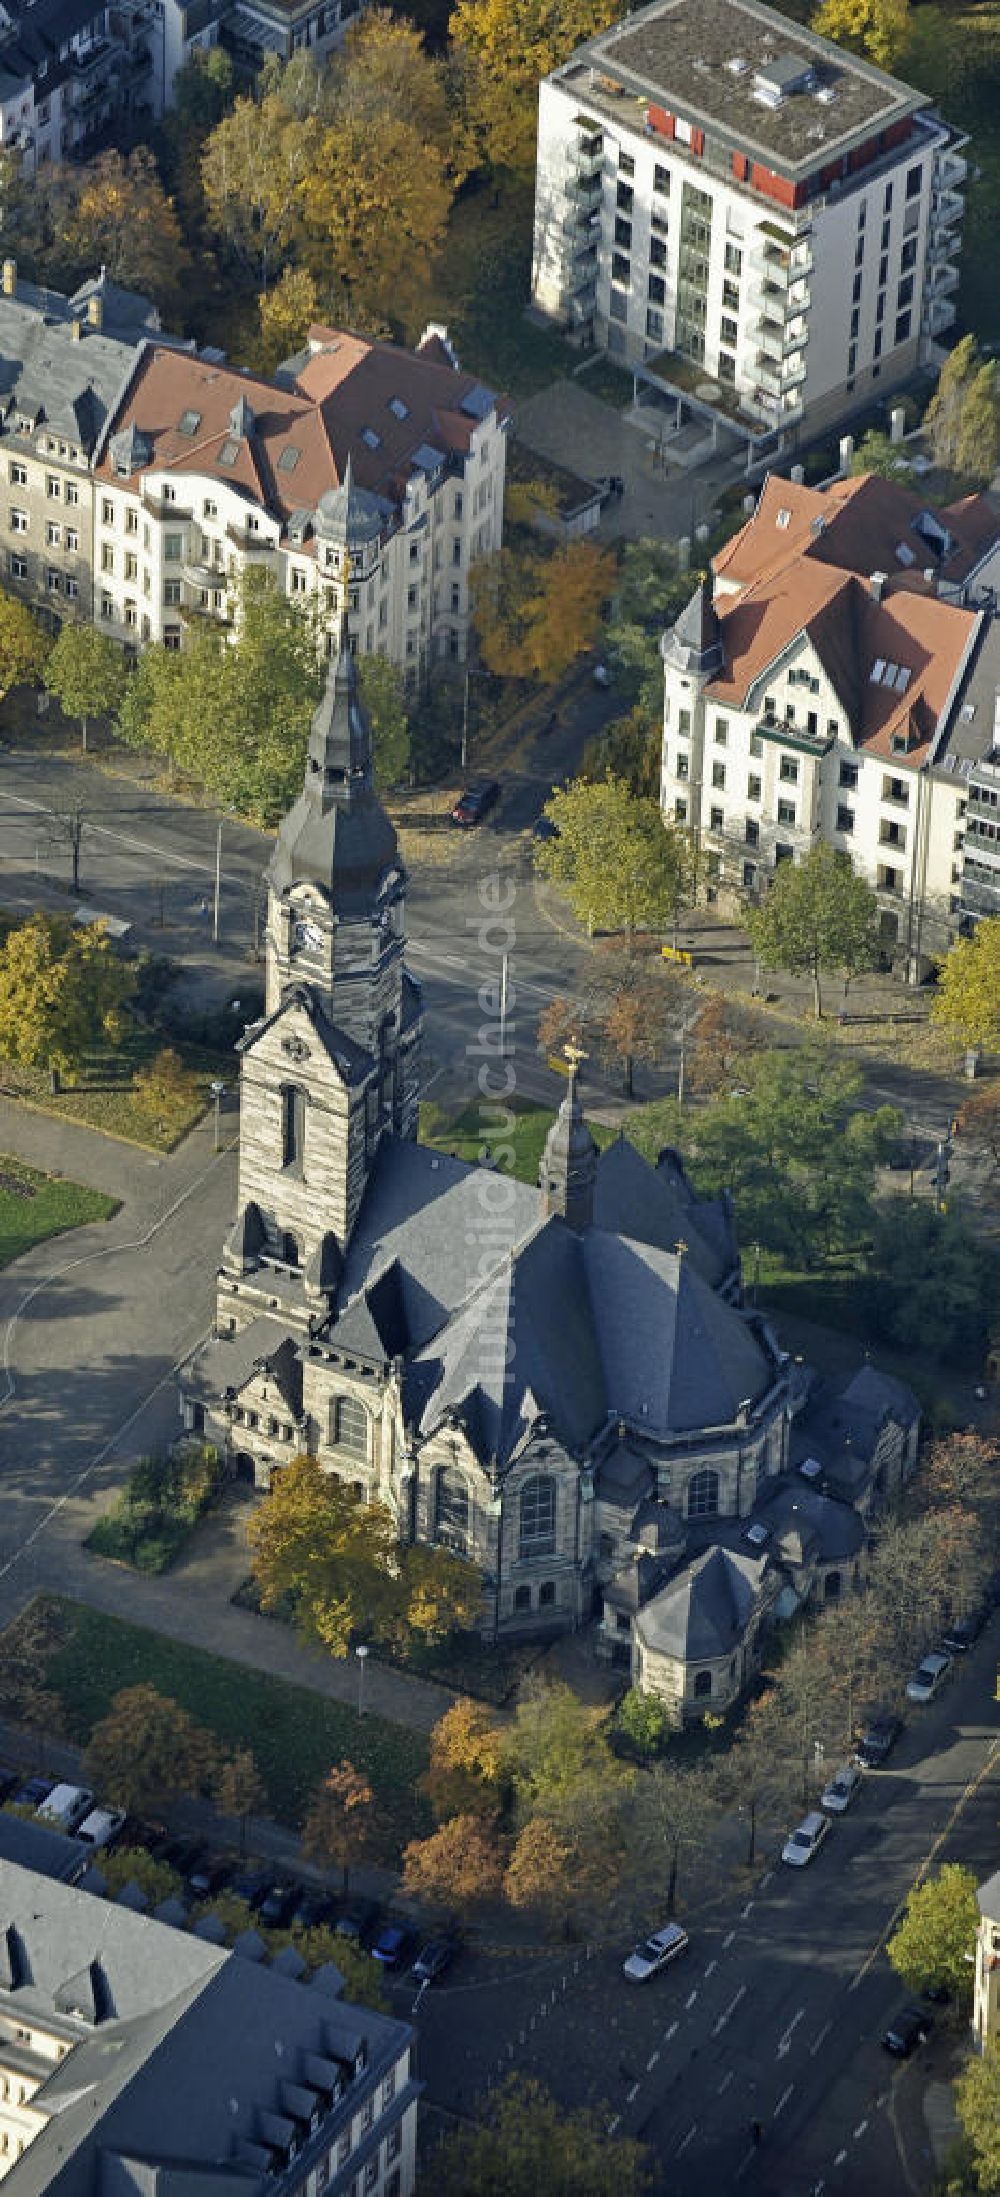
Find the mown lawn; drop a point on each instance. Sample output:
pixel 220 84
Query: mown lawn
pixel 475 1130
pixel 103 1094
pixel 294 1735
pixel 481 286
pixel 34 1206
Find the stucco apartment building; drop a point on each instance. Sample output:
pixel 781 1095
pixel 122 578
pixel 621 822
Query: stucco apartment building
pixel 139 2057
pixel 754 219
pixel 837 679
pixel 359 462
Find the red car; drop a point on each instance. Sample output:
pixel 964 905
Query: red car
pixel 472 806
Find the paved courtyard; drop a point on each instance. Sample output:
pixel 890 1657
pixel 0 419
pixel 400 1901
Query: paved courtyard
pixel 577 429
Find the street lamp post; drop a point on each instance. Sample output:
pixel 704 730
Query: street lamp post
pixel 218 883
pixel 218 1091
pixel 361 1652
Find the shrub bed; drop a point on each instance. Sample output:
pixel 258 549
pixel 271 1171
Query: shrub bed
pixel 159 1507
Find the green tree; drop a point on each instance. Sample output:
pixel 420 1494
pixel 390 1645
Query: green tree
pixel 62 989
pixel 147 1750
pixel 620 866
pixel 932 1283
pixel 633 1007
pixel 628 748
pixel 506 47
pixel 384 698
pixel 977 2096
pixel 879 29
pixel 363 1982
pixel 339 1830
pixel 332 1554
pixel 644 1721
pixel 86 673
pixel 967 1001
pixel 963 416
pixel 555 1740
pixel 876 453
pixel 441 1593
pixel 674 1812
pixel 135 1865
pixel 468 1769
pixel 240 1790
pixel 817 915
pixel 527 2143
pixel 119 216
pixel 24 648
pixel 979 435
pixel 933 1944
pixel 286 314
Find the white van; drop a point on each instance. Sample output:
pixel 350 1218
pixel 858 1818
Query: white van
pixel 66 1806
pixel 101 1826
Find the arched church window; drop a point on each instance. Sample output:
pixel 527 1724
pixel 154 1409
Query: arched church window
pixel 703 1495
pixel 702 1685
pixel 537 1516
pixel 349 1425
pixel 451 1509
pixel 293 1126
pixel 290 1248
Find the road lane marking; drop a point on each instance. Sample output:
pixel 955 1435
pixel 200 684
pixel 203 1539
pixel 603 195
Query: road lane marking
pixel 730 2010
pixel 765 1881
pixel 708 1971
pixel 785 2042
pixel 927 1863
pixel 817 2041
pixel 613 2123
pixel 726 2080
pixel 651 2062
pixel 860 2130
pixel 839 2160
pixel 689 2001
pixel 783 2100
pixel 688 2139
pixel 633 2093
pixel 669 2033
pixel 748 1910
pixel 726 1942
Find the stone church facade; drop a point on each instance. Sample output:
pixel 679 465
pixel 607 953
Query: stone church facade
pixel 559 1381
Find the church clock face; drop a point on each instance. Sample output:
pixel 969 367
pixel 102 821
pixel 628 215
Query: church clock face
pixel 306 936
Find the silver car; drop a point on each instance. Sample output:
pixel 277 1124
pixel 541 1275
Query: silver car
pixel 836 1797
pixel 655 1952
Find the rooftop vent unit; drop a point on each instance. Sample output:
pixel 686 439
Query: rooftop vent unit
pixel 737 66
pixel 779 79
pixel 825 94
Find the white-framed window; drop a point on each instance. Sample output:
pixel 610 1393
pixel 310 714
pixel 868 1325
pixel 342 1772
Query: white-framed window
pixel 53 581
pixel 107 511
pixel 18 566
pixel 73 589
pixel 72 538
pixel 53 487
pixel 53 534
pixel 18 474
pixel 19 522
pixel 72 492
pixel 107 607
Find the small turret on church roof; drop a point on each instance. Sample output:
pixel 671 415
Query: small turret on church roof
pixel 337 834
pixel 569 1160
pixel 694 641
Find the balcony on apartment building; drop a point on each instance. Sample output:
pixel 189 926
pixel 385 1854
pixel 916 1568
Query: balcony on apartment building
pixel 777 377
pixel 778 338
pixel 786 733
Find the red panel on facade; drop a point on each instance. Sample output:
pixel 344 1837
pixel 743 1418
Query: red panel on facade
pixel 778 187
pixel 741 167
pixel 660 121
pixel 898 132
pixel 697 141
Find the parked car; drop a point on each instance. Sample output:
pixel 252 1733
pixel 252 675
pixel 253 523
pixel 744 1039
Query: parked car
pixel 32 1793
pixel 65 1806
pixel 931 1675
pixel 601 675
pixel 805 1840
pixel 655 1952
pixel 252 1884
pixel 211 1874
pixel 313 1908
pixel 544 827
pixel 182 1855
pixel 9 1779
pixel 434 1958
pixel 355 1920
pixel 965 1631
pixel 910 2027
pixel 390 1944
pixel 844 1784
pixel 878 1739
pixel 475 803
pixel 102 1827
pixel 278 1906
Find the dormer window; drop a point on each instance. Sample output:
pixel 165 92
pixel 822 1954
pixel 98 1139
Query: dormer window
pixel 371 440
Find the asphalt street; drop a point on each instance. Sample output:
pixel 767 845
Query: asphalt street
pixel 776 2012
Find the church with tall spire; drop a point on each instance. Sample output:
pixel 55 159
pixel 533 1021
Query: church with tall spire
pixel 558 1381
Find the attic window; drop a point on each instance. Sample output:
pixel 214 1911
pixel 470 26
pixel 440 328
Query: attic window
pixel 899 743
pixel 399 410
pixel 371 439
pixel 189 423
pixel 289 458
pixel 230 451
pixel 877 671
pixel 904 554
pixel 784 519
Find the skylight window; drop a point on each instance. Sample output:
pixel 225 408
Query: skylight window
pixel 189 423
pixel 230 451
pixel 399 410
pixel 371 439
pixel 289 458
pixel 784 518
pixel 878 668
pixel 903 676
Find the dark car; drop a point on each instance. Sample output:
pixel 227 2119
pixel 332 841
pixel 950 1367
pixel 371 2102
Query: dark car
pixel 252 1885
pixel 475 803
pixel 355 1920
pixel 910 2027
pixel 32 1793
pixel 313 1908
pixel 544 827
pixel 390 1945
pixel 434 1958
pixel 278 1906
pixel 963 1635
pixel 878 1740
pixel 210 1875
pixel 183 1855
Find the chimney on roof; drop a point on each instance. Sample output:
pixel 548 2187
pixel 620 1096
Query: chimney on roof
pixel 10 278
pixel 877 584
pixel 95 311
pixel 931 579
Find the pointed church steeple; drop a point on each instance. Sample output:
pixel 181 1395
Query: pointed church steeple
pixel 569 1161
pixel 694 641
pixel 338 835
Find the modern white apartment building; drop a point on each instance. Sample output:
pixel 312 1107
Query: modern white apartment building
pixel 760 224
pixel 359 461
pixel 837 679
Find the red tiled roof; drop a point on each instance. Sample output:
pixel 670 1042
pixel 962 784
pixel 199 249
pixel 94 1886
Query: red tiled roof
pixel 856 525
pixel 343 388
